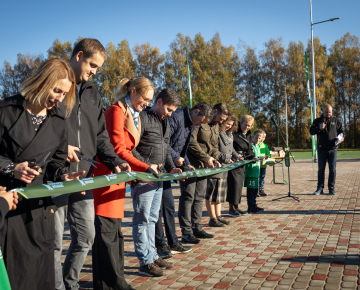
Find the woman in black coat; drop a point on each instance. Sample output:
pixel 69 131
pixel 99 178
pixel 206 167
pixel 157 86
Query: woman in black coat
pixel 242 145
pixel 32 128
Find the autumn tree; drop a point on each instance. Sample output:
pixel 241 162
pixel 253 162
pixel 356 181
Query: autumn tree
pixel 12 77
pixel 344 60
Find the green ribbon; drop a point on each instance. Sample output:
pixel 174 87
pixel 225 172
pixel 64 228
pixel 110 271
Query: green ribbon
pixel 65 187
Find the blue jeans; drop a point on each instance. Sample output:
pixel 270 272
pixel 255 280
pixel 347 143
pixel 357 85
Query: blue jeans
pixel 167 210
pixel 330 156
pixel 262 178
pixel 80 214
pixel 146 203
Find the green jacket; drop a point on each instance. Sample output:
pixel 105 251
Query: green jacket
pixel 203 145
pixel 264 150
pixel 253 169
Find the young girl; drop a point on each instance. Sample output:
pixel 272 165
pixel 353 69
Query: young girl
pixel 264 150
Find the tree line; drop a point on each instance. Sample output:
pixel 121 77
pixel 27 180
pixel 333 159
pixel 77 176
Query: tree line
pixel 249 81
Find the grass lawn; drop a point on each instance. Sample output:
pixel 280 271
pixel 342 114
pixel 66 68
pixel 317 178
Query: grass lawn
pixel 341 154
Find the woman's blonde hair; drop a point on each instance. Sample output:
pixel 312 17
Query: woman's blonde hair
pixel 142 86
pixel 247 118
pixel 37 87
pixel 234 127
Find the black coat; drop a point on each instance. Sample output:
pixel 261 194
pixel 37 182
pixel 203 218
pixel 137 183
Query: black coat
pixel 153 147
pixel 27 237
pixel 327 136
pixel 87 130
pixel 242 146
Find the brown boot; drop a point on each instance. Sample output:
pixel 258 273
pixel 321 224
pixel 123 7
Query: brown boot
pixel 162 264
pixel 151 270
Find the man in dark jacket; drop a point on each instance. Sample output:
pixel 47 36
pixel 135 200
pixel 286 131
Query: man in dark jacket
pixel 182 123
pixel 152 149
pixel 86 132
pixel 330 134
pixel 203 152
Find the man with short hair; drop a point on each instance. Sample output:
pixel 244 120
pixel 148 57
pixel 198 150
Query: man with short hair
pixel 152 149
pixel 86 134
pixel 182 123
pixel 330 134
pixel 203 152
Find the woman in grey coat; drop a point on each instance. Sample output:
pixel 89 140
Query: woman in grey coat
pixel 217 184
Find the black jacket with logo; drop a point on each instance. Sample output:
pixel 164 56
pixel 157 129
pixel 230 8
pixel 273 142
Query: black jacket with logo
pixel 326 138
pixel 87 130
pixel 153 147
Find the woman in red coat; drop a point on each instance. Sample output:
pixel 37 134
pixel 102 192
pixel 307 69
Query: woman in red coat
pixel 124 126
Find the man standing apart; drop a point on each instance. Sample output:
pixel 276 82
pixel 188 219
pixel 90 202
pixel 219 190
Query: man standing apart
pixel 153 149
pixel 203 152
pixel 182 123
pixel 330 134
pixel 86 132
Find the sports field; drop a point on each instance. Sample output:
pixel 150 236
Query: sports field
pixel 341 154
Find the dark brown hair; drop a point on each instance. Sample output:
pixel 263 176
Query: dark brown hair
pixel 221 108
pixel 234 128
pixel 169 97
pixel 89 46
pixel 204 110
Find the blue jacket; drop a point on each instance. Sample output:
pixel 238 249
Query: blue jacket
pixel 180 131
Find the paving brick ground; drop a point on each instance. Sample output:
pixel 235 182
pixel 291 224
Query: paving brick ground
pixel 311 244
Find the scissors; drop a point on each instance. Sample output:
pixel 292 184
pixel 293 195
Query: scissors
pixel 81 156
pixel 41 164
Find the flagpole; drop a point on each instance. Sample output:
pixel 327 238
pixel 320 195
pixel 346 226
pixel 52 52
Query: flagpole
pixel 189 79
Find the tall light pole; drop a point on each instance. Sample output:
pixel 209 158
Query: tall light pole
pixel 313 58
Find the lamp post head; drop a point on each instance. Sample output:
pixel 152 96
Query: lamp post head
pixel 332 19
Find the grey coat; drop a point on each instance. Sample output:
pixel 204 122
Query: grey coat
pixel 226 152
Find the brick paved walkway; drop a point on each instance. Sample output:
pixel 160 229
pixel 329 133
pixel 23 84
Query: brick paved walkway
pixel 312 244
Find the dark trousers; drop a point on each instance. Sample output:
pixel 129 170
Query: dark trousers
pixel 251 194
pixel 330 156
pixel 262 178
pixel 108 255
pixel 193 192
pixel 167 211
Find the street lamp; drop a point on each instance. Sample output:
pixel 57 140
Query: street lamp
pixel 313 58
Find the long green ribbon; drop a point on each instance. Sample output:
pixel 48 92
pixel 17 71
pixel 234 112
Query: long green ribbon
pixel 59 188
pixel 4 279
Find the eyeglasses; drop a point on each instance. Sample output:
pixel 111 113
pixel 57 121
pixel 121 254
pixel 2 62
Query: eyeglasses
pixel 145 100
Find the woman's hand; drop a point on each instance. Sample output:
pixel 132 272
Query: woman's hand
pixel 122 167
pixel 24 173
pixel 11 197
pixel 73 176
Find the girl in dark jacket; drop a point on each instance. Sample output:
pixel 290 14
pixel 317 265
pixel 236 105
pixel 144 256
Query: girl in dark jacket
pixel 32 130
pixel 217 184
pixel 242 145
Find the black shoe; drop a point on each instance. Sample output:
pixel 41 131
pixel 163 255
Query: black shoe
pixel 179 248
pixel 164 251
pixel 224 221
pixel 216 223
pixel 262 193
pixel 234 213
pixel 241 212
pixel 255 210
pixel 162 264
pixel 151 270
pixel 190 239
pixel 203 235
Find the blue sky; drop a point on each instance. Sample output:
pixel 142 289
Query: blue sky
pixel 32 26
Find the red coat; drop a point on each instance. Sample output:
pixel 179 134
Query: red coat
pixel 109 201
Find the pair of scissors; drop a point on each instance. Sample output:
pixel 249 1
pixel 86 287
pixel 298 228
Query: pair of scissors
pixel 81 156
pixel 41 164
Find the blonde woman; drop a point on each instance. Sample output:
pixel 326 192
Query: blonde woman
pixel 242 145
pixel 33 128
pixel 124 126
